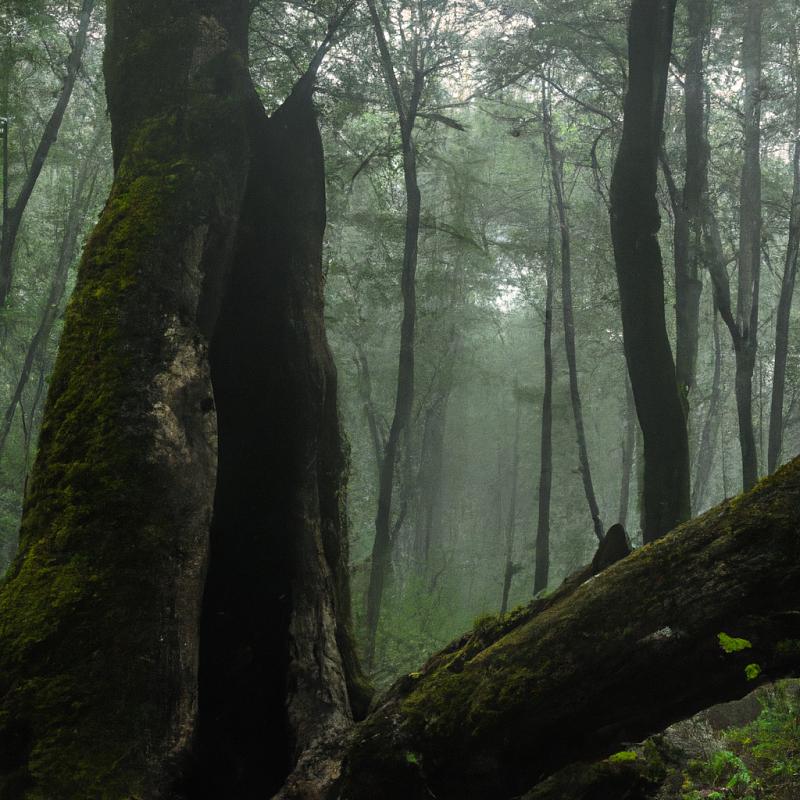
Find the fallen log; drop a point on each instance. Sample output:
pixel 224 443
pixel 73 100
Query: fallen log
pixel 701 616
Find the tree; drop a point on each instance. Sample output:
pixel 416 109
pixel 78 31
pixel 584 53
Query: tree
pixel 542 571
pixel 121 509
pixel 634 225
pixel 133 664
pixel 787 286
pixel 746 343
pixel 423 61
pixel 12 214
pixel 557 183
pixel 574 675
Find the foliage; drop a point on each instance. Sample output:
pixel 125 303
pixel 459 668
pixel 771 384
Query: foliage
pixel 759 761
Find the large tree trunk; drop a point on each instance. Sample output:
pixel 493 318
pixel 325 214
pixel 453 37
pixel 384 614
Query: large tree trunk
pixel 575 675
pixel 101 614
pixel 634 227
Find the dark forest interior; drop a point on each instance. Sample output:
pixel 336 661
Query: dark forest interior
pixel 400 400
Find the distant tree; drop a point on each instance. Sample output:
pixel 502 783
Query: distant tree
pixel 13 213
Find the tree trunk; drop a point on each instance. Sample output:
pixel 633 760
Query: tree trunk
pixel 784 313
pixel 688 225
pixel 628 450
pixel 510 567
pixel 382 546
pixel 12 216
pixel 79 206
pixel 101 614
pixel 749 242
pixel 708 438
pixel 634 227
pixel 430 476
pixel 365 392
pixel 575 675
pixel 557 178
pixel 542 571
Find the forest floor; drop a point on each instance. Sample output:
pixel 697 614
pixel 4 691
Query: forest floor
pixel 748 750
pixel 744 750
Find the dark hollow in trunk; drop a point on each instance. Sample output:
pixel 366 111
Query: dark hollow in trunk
pixel 102 622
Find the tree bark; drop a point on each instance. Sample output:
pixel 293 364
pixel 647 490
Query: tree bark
pixel 382 546
pixel 557 180
pixel 511 521
pixel 100 618
pixel 542 570
pixel 575 675
pixel 634 227
pixel 12 216
pixel 749 242
pixel 708 438
pixel 785 305
pixel 430 476
pixel 687 203
pixel 628 451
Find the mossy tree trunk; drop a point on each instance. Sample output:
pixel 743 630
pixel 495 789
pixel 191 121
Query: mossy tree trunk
pixel 102 614
pixel 575 676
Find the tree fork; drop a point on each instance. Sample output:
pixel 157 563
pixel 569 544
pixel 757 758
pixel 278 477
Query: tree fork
pixel 100 618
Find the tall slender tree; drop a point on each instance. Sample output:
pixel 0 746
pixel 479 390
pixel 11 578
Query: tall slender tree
pixel 557 182
pixel 13 213
pixel 749 242
pixel 542 570
pixel 787 284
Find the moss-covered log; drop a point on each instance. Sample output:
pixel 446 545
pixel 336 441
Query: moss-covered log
pixel 603 661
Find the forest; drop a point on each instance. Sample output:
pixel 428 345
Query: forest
pixel 399 399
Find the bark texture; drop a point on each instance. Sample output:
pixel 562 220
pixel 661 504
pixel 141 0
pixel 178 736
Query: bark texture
pixel 574 675
pixel 749 242
pixel 100 618
pixel 634 226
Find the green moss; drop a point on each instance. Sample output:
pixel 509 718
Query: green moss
pixel 731 644
pixel 752 671
pixel 82 609
pixel 623 756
